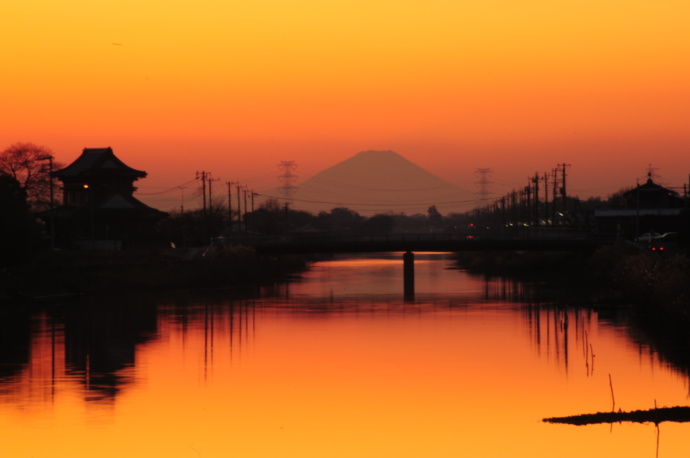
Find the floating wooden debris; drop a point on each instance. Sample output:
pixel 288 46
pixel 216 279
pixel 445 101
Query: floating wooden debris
pixel 676 414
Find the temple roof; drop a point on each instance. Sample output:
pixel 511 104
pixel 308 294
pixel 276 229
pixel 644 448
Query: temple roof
pixel 98 161
pixel 650 186
pixel 119 201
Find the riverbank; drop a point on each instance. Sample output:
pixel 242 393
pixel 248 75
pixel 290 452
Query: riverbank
pixel 654 290
pixel 70 273
pixel 625 272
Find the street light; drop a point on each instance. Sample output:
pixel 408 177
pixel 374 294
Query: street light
pixel 86 187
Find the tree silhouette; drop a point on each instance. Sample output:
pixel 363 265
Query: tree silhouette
pixel 19 233
pixel 29 165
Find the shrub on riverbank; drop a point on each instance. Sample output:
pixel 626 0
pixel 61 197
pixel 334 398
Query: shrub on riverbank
pixel 524 265
pixel 645 279
pixel 655 283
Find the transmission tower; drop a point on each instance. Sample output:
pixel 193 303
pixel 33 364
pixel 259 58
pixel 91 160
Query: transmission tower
pixel 483 183
pixel 287 178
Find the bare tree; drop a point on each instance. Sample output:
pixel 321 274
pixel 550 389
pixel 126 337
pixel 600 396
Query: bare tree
pixel 30 165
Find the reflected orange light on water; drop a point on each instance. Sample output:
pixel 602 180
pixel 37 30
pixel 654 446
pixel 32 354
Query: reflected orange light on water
pixel 234 380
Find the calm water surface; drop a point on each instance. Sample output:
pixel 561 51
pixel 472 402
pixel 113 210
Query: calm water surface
pixel 335 364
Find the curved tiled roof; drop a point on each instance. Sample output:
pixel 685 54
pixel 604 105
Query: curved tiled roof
pixel 96 161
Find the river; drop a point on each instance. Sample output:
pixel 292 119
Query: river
pixel 335 363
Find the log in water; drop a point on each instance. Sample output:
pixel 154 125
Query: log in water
pixel 675 414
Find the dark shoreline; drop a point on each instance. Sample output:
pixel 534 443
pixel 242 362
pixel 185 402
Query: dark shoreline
pixel 652 290
pixel 60 275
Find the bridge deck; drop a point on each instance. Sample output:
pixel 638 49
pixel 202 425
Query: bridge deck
pixel 418 242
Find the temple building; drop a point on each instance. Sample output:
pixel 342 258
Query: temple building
pixel 99 209
pixel 647 208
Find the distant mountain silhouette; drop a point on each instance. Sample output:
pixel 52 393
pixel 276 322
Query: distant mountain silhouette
pixel 378 182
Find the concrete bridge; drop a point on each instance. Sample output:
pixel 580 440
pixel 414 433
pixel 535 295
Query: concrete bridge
pixel 409 243
pixel 318 243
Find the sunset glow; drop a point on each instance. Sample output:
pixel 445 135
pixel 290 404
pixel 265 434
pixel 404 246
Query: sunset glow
pixel 235 87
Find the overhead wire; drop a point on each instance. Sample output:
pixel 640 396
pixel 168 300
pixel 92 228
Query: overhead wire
pixel 397 204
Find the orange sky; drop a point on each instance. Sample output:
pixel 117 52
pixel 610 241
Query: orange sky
pixel 233 88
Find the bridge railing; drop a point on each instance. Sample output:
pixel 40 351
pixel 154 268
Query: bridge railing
pixel 252 240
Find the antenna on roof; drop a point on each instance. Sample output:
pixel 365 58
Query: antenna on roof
pixel 651 172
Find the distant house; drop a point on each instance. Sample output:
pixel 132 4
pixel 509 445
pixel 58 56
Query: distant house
pixel 99 209
pixel 646 208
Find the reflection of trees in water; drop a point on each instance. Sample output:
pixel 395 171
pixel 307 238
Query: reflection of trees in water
pixel 94 343
pixel 101 339
pixel 554 311
pixel 225 327
pixel 506 289
pixel 562 333
pixel 90 343
pixel 669 337
pixel 28 357
pixel 15 340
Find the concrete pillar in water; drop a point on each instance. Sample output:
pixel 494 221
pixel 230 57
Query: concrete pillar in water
pixel 408 275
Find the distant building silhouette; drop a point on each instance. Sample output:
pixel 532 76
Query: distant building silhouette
pixel 649 207
pixel 99 209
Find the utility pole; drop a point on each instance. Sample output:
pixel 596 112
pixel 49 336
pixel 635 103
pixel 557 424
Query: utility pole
pixel 546 197
pixel 528 202
pixel 52 199
pixel 535 180
pixel 504 217
pixel 210 192
pixel 245 191
pixel 253 195
pixel 564 195
pixel 181 200
pixel 563 174
pixel 555 193
pixel 239 208
pixel 202 176
pixel 230 183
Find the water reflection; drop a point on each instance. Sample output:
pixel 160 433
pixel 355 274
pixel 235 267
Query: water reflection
pixel 91 344
pixel 321 367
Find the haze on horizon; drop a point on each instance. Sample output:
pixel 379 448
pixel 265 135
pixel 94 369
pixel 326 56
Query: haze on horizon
pixel 453 86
